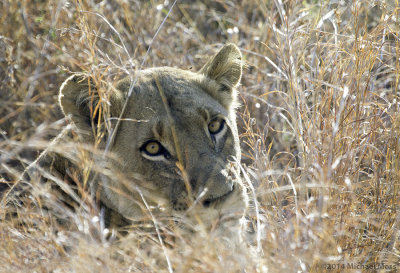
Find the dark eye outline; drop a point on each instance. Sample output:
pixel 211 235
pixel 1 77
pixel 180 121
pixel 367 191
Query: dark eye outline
pixel 221 126
pixel 161 151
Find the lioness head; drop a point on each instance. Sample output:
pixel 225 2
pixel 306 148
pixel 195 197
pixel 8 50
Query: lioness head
pixel 176 144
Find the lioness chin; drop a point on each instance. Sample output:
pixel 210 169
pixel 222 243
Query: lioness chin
pixel 175 144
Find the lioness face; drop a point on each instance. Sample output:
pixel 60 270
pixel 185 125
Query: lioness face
pixel 177 141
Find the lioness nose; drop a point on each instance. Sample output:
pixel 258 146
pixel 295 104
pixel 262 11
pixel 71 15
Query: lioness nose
pixel 193 183
pixel 218 185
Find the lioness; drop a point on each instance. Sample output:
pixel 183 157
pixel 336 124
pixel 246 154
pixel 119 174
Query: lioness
pixel 176 145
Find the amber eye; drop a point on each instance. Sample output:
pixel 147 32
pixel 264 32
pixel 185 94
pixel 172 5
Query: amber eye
pixel 216 126
pixel 152 148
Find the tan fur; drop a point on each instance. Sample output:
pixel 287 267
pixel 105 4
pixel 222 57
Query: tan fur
pixel 196 165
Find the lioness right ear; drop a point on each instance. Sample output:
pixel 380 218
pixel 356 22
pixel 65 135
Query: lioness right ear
pixel 79 98
pixel 225 68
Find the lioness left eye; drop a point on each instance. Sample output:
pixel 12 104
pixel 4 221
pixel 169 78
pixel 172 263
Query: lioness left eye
pixel 216 126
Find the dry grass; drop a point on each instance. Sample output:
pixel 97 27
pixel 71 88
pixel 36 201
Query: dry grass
pixel 319 119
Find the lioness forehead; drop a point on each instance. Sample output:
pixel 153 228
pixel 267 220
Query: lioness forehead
pixel 189 106
pixel 185 93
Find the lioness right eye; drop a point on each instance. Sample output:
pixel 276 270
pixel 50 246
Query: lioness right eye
pixel 153 150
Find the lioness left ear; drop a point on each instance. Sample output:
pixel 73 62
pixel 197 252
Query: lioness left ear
pixel 226 69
